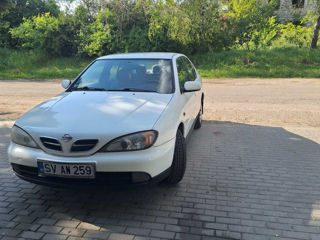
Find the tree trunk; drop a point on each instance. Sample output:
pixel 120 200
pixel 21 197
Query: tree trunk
pixel 315 33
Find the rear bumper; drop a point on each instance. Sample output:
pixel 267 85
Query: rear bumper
pixel 105 179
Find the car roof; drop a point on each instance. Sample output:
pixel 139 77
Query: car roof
pixel 142 55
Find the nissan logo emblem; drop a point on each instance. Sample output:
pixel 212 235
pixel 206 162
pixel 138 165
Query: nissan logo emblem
pixel 66 138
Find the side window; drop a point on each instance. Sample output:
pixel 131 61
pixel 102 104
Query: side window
pixel 191 72
pixel 182 71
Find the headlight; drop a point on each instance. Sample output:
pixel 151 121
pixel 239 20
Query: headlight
pixel 131 142
pixel 21 137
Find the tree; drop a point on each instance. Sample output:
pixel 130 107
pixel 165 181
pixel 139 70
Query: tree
pixel 21 9
pixel 92 7
pixel 316 26
pixel 5 5
pixel 28 8
pixel 253 22
pixel 205 28
pixel 95 37
pixel 169 27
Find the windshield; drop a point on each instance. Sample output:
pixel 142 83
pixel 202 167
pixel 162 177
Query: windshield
pixel 140 75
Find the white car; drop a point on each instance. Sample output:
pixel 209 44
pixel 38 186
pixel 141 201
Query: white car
pixel 123 120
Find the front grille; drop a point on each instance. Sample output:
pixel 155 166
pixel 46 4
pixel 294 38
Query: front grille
pixel 51 143
pixel 83 145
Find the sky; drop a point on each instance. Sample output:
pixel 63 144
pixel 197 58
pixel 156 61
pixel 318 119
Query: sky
pixel 67 4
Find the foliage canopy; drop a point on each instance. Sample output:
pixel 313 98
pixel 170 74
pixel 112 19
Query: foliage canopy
pixel 98 27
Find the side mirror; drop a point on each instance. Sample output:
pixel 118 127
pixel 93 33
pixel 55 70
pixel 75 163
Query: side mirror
pixel 191 86
pixel 65 83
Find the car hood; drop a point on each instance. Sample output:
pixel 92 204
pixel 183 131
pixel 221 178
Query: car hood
pixel 91 114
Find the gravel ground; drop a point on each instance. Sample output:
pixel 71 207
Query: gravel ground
pixel 272 102
pixel 290 103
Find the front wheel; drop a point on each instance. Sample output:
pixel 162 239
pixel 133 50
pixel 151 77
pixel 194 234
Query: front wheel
pixel 179 162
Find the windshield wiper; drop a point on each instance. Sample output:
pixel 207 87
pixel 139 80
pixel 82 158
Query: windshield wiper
pixel 88 89
pixel 131 90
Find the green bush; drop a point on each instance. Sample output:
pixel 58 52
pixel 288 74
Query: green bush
pixel 294 36
pixel 33 32
pixel 62 41
pixel 56 36
pixel 265 34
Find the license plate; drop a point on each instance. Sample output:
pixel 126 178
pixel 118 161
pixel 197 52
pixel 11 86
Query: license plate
pixel 72 170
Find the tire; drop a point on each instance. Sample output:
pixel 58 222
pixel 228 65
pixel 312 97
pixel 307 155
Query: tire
pixel 179 162
pixel 199 120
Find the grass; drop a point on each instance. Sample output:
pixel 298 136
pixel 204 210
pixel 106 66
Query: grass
pixel 266 63
pixel 37 65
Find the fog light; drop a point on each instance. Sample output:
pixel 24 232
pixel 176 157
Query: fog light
pixel 139 177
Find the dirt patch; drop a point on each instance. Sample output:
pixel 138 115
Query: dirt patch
pixel 17 97
pixel 268 102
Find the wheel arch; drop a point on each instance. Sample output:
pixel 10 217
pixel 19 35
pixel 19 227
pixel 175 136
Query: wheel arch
pixel 181 128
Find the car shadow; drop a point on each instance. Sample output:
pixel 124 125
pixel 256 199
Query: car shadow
pixel 242 181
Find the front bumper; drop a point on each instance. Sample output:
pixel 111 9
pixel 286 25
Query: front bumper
pixel 110 167
pixel 102 179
